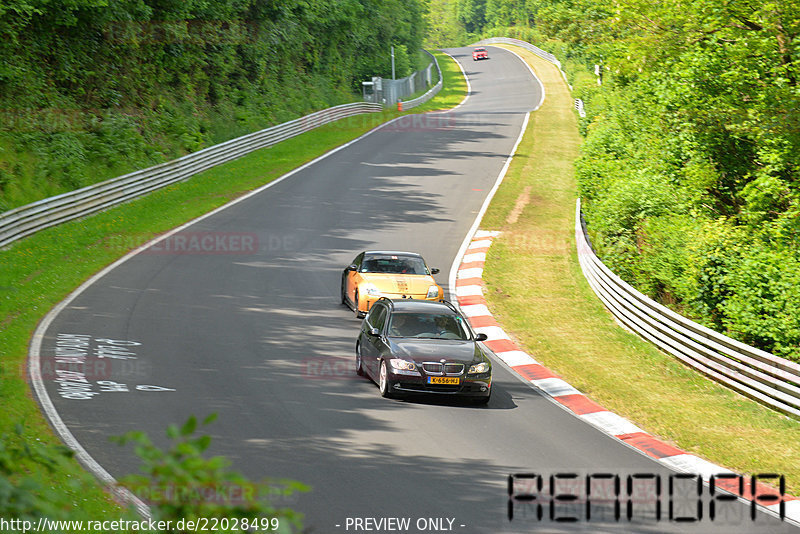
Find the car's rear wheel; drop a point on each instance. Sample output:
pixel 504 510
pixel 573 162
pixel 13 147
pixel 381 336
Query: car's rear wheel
pixel 359 363
pixel 344 284
pixel 383 381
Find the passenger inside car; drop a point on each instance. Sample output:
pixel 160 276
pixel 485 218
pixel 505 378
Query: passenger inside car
pixel 398 321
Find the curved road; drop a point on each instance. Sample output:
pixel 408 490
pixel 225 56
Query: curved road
pixel 243 319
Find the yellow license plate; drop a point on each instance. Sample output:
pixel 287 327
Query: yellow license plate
pixel 448 380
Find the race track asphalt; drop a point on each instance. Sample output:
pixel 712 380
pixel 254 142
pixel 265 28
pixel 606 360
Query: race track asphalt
pixel 248 324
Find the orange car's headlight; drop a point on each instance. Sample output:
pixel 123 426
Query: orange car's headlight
pixel 433 292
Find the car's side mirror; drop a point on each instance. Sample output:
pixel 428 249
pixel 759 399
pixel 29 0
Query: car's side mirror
pixel 352 267
pixel 434 271
pixel 374 332
pixel 481 337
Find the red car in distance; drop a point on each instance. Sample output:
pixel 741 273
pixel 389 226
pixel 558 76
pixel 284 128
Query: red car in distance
pixel 479 53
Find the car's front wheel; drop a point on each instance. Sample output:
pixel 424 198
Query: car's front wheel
pixel 359 313
pixel 383 381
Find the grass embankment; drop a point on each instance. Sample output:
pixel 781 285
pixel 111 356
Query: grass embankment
pixel 537 291
pixel 40 271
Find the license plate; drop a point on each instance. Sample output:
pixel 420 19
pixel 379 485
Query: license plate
pixel 448 380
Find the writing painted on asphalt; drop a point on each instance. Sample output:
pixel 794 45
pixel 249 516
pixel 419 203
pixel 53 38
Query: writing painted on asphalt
pixel 80 360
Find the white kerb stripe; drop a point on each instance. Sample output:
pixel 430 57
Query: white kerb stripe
pixel 515 357
pixel 475 272
pixel 492 332
pixel 611 423
pixel 475 310
pixel 792 509
pixel 555 387
pixel 477 256
pixel 480 243
pixel 469 291
pixel 688 463
pixel 486 233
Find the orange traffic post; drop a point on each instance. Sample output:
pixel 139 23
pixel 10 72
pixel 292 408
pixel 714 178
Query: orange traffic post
pixel 399 105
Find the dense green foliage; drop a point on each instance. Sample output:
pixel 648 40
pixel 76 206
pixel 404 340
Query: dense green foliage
pixel 25 495
pixel 181 484
pixel 90 89
pixel 690 170
pixel 178 484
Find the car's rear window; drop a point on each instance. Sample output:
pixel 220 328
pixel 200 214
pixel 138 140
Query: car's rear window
pixel 393 265
pixel 428 326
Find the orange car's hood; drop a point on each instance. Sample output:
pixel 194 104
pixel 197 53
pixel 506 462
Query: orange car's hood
pixel 414 284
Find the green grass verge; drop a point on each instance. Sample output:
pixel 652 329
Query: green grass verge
pixel 536 290
pixel 40 271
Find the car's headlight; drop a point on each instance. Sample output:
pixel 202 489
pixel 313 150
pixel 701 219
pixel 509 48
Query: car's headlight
pixel 433 292
pixel 478 368
pixel 402 365
pixel 371 290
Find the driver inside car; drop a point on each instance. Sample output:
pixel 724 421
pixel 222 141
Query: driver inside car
pixel 446 328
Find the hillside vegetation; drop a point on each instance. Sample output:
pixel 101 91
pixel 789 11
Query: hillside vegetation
pixel 91 89
pixel 690 166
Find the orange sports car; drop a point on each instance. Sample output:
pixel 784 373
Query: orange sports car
pixel 396 275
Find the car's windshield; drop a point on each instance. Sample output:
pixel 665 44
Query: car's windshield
pixel 428 325
pixel 393 265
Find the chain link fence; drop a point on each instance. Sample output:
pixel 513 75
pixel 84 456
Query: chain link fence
pixel 389 92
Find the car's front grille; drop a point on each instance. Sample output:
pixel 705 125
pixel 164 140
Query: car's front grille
pixel 440 369
pixel 453 368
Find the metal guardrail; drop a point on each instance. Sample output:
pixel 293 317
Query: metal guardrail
pixel 431 92
pixel 757 374
pixel 25 220
pixel 762 376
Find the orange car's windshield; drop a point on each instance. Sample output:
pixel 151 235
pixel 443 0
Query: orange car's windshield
pixel 393 265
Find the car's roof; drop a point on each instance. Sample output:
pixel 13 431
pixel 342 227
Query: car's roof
pixel 390 253
pixel 421 306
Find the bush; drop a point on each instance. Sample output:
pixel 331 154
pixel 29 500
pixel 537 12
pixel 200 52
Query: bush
pixel 24 493
pixel 180 484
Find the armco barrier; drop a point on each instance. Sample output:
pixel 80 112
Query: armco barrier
pixel 762 376
pixel 759 375
pixel 25 220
